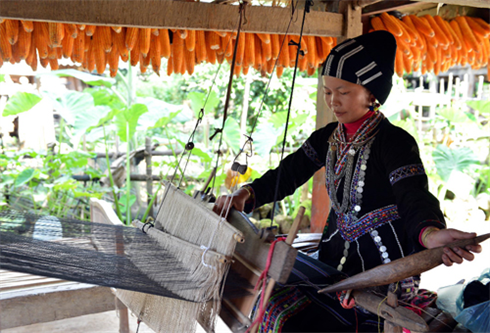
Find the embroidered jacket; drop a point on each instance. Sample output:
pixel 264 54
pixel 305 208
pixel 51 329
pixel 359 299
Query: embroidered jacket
pixel 393 208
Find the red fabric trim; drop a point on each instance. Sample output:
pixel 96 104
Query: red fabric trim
pixel 352 128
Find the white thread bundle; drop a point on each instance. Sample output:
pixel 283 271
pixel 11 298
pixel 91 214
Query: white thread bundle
pixel 199 240
pixel 191 220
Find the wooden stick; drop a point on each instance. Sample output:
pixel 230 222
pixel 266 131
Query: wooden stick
pixel 400 268
pixel 289 241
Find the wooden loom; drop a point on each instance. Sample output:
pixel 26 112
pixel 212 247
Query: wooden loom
pixel 248 260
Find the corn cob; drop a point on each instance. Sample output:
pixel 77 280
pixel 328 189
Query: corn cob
pixel 145 34
pixel 249 51
pixel 275 46
pixel 391 24
pixel 71 30
pixel 190 41
pixel 182 33
pixel 105 37
pixel 27 25
pixel 44 62
pixel 422 26
pixel 119 41
pixel 155 53
pixel 135 53
pixel 469 37
pixel 165 43
pixel 113 59
pixel 201 46
pixel 41 36
pixel 170 62
pixel 116 29
pixel 89 30
pixel 79 48
pixel 267 50
pixel 12 31
pixel 240 52
pixel 258 53
pixel 67 46
pixel 131 38
pixel 378 24
pixel 190 60
pixel 440 36
pixel 23 44
pixel 210 53
pixel 178 53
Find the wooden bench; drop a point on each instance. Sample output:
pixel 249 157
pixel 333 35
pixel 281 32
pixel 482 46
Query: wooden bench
pixel 27 299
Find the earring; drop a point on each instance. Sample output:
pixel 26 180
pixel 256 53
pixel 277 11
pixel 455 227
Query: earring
pixel 374 106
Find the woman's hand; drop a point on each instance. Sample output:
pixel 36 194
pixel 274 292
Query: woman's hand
pixel 237 199
pixel 457 255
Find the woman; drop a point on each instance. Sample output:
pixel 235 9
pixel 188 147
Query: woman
pixel 381 207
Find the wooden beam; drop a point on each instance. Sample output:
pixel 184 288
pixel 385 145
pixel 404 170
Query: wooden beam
pixel 403 6
pixel 352 20
pixel 172 15
pixel 470 3
pixel 39 305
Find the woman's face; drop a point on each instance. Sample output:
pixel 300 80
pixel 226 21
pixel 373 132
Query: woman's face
pixel 348 101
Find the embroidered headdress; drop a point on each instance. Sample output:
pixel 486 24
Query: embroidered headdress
pixel 367 60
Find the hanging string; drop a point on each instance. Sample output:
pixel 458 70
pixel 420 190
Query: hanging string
pixel 228 92
pixel 293 11
pixel 308 3
pixel 190 144
pixel 249 141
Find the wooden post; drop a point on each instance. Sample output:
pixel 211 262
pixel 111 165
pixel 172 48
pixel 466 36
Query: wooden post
pixel 149 180
pixel 352 20
pixel 320 200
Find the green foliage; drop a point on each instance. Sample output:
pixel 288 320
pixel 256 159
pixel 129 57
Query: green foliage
pixel 24 177
pixel 127 119
pixel 93 80
pixel 20 102
pixel 448 160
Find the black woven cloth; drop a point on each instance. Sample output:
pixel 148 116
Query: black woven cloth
pixel 87 252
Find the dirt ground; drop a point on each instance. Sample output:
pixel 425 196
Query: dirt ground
pixel 105 322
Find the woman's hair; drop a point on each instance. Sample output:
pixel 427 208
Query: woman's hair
pixel 367 60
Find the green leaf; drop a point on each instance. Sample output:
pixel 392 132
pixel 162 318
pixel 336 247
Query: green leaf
pixel 65 183
pixel 104 120
pixel 24 177
pixel 129 117
pixel 89 119
pixel 93 80
pixel 482 106
pixel 105 97
pixel 72 104
pixel 122 202
pixel 3 162
pixel 205 158
pixel 231 134
pixel 198 99
pixel 76 159
pixel 448 160
pixel 159 109
pixel 79 194
pixel 164 121
pixel 2 77
pixel 453 115
pixel 265 138
pixel 20 102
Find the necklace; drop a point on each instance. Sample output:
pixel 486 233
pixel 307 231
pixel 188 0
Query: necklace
pixel 340 163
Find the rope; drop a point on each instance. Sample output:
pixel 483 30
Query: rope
pixel 228 91
pixel 308 3
pixel 263 281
